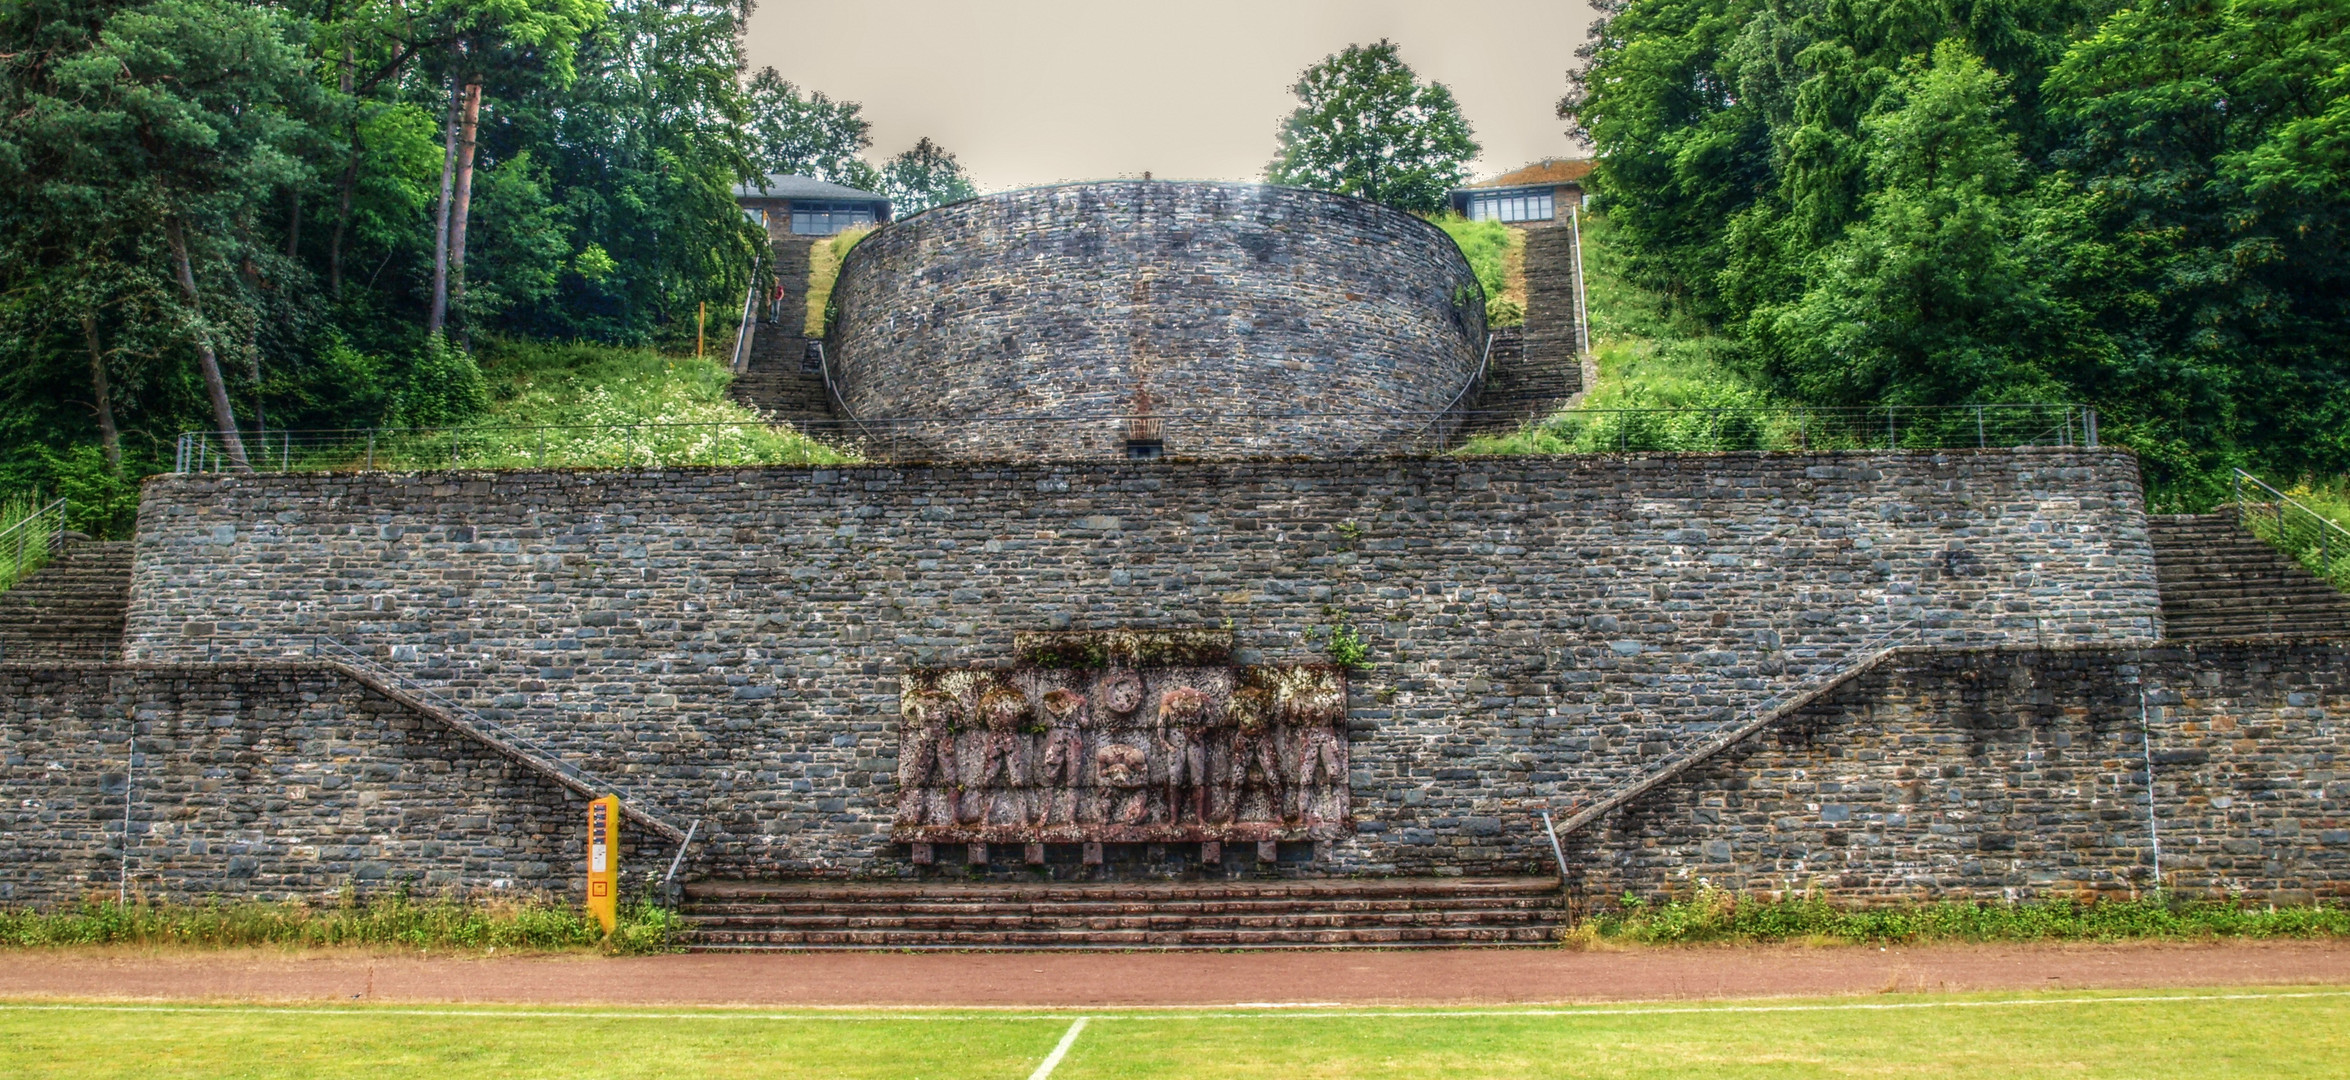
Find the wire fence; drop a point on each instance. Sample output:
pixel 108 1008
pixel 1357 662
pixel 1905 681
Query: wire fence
pixel 1216 436
pixel 2311 537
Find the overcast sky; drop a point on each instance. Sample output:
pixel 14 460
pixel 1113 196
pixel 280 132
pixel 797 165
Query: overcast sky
pixel 1030 92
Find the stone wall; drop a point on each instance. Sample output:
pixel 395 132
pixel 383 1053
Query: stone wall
pixel 261 781
pixel 2020 774
pixel 730 641
pixel 1229 303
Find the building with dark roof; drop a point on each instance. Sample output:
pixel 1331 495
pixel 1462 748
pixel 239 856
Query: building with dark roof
pixel 1534 196
pixel 806 206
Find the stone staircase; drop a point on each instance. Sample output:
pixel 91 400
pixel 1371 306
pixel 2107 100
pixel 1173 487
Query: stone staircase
pixel 71 609
pixel 2218 580
pixel 1517 389
pixel 1542 365
pixel 775 380
pixel 1264 914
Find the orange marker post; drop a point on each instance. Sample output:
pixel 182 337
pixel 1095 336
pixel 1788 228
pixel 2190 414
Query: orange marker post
pixel 603 862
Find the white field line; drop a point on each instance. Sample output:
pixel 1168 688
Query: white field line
pixel 1060 1050
pixel 1180 1012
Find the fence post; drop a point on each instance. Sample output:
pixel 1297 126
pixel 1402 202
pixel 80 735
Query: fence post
pixel 1892 430
pixel 371 449
pixel 2089 425
pixel 1980 442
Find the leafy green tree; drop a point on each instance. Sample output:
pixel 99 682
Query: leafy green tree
pixel 1927 298
pixel 922 177
pixel 176 120
pixel 1366 126
pixel 807 134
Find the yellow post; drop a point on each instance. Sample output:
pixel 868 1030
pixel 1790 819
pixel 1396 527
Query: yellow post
pixel 603 862
pixel 700 321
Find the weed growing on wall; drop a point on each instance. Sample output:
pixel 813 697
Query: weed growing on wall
pixel 1341 641
pixel 394 921
pixel 1716 916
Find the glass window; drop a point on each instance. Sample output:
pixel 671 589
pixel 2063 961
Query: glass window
pixel 1513 206
pixel 825 219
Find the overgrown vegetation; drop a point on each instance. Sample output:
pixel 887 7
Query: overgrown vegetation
pixel 390 921
pixel 2141 208
pixel 1715 916
pixel 1497 253
pixel 824 259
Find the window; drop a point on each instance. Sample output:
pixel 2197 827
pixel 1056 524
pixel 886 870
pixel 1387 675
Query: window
pixel 1518 205
pixel 825 218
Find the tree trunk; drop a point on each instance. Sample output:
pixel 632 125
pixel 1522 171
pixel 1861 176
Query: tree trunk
pixel 108 437
pixel 440 224
pixel 334 245
pixel 464 204
pixel 207 360
pixel 294 225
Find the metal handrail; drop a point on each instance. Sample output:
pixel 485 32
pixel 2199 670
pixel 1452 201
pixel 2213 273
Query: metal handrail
pixel 23 530
pixel 1475 382
pixel 495 734
pixel 743 330
pixel 2330 534
pixel 1761 714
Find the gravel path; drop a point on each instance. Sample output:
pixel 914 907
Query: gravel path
pixel 1165 979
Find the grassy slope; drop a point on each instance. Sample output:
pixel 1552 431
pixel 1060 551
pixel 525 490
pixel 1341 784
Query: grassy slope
pixel 582 404
pixel 2074 1035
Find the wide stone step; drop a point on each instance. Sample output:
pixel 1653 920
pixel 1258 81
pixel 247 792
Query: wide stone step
pixel 1358 937
pixel 1291 913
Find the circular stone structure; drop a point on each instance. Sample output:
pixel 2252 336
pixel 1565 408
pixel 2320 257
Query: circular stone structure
pixel 1140 318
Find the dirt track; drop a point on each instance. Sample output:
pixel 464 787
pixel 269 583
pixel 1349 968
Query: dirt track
pixel 1113 979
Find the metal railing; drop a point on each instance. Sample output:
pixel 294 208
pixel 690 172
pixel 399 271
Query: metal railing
pixel 1753 718
pixel 498 736
pixel 2314 539
pixel 743 329
pixel 1233 435
pixel 27 545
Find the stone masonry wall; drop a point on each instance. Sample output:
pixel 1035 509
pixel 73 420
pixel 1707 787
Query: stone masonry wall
pixel 260 781
pixel 1230 303
pixel 730 641
pixel 2020 773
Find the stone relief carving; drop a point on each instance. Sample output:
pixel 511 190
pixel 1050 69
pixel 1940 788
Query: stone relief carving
pixel 1121 755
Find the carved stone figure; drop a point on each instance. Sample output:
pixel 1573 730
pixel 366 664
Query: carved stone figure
pixel 1122 692
pixel 928 754
pixel 1122 771
pixel 1062 769
pixel 1001 711
pixel 1321 770
pixel 1184 723
pixel 1253 749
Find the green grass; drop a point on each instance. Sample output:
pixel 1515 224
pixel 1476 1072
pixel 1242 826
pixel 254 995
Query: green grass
pixel 1648 358
pixel 824 259
pixel 1719 917
pixel 23 551
pixel 580 405
pixel 387 921
pixel 2243 1034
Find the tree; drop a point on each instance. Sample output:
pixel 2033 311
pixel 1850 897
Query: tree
pixel 797 134
pixel 178 117
pixel 923 177
pixel 1366 126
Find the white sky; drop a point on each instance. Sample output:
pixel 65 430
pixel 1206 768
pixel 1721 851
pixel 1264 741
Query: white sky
pixel 1030 92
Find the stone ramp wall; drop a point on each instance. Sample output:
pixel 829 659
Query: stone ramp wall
pixel 2019 774
pixel 262 781
pixel 730 641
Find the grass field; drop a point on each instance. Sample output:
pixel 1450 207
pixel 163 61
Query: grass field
pixel 2245 1033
